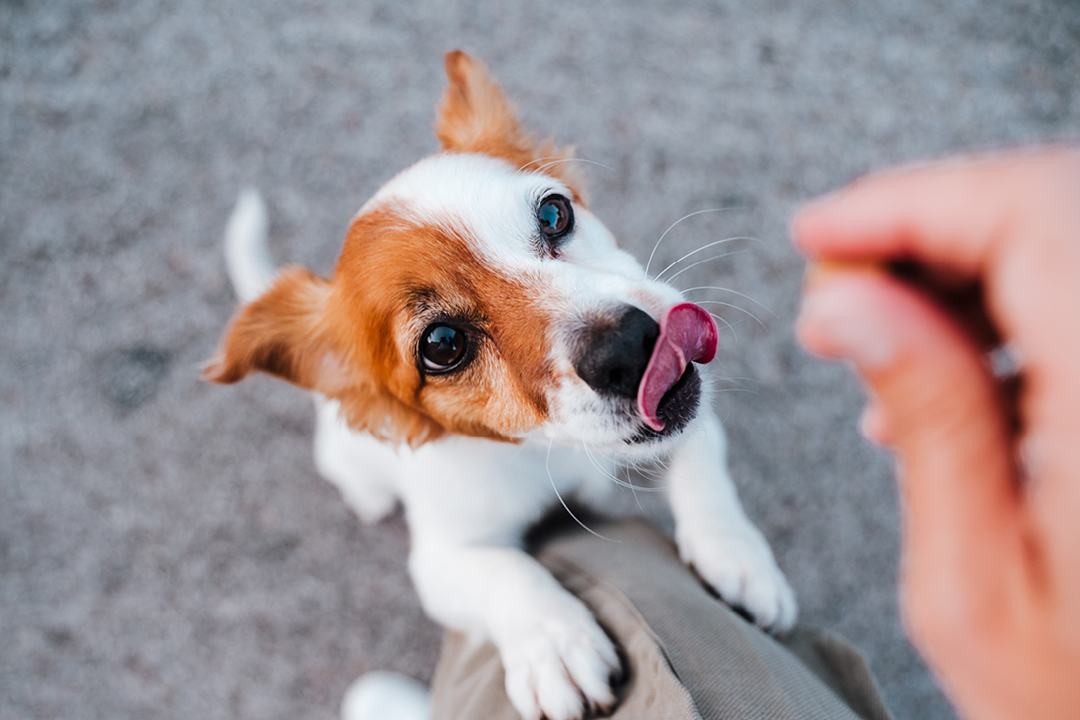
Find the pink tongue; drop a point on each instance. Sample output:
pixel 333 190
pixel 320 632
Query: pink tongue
pixel 687 334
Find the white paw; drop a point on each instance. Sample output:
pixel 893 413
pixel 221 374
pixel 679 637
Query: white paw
pixel 739 565
pixel 359 466
pixel 560 668
pixel 368 498
pixel 386 696
pixel 371 505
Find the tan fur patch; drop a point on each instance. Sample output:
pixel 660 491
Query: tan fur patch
pixel 502 392
pixel 354 339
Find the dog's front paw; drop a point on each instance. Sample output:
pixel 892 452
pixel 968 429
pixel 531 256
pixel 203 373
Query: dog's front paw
pixel 740 566
pixel 560 668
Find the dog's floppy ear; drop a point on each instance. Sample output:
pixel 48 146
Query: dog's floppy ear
pixel 475 117
pixel 288 332
pixel 283 333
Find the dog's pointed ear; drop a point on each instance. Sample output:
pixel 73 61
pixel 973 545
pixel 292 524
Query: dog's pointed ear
pixel 283 333
pixel 475 117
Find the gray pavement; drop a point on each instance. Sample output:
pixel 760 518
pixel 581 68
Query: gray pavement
pixel 166 548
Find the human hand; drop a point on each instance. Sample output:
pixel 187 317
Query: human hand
pixel 990 574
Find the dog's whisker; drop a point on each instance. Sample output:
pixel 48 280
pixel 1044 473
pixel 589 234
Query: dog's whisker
pixel 702 262
pixel 631 464
pixel 670 227
pixel 637 500
pixel 648 467
pixel 540 159
pixel 547 466
pixel 595 464
pixel 702 249
pixel 766 308
pixel 642 467
pixel 621 483
pixel 728 325
pixel 545 166
pixel 654 476
pixel 733 307
pixel 616 480
pixel 745 390
pixel 737 378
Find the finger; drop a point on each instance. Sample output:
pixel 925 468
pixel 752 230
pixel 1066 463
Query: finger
pixel 941 409
pixel 949 213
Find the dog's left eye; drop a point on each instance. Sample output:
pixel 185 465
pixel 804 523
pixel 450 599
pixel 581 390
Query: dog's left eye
pixel 442 348
pixel 556 218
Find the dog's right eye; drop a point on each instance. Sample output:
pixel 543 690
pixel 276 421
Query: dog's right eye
pixel 555 216
pixel 442 348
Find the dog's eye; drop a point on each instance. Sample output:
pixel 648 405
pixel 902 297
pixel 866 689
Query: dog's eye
pixel 442 348
pixel 556 217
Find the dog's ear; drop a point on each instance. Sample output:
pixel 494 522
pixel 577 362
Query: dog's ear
pixel 288 332
pixel 282 333
pixel 475 117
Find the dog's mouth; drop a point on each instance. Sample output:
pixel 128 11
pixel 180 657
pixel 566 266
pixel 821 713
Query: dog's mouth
pixel 687 334
pixel 676 409
pixel 670 388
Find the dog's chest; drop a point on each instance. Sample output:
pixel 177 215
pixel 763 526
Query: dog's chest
pixel 481 490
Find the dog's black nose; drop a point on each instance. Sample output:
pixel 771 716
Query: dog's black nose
pixel 615 352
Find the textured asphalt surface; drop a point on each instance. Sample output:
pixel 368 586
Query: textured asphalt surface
pixel 166 548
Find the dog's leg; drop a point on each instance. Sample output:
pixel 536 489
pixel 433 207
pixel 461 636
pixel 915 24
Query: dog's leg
pixel 715 536
pixel 361 467
pixel 558 661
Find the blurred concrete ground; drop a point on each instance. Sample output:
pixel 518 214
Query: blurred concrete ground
pixel 166 548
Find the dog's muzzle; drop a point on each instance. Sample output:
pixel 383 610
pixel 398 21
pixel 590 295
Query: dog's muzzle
pixel 631 356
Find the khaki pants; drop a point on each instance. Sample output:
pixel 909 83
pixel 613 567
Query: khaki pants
pixel 686 655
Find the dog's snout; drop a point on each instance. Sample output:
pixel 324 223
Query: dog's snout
pixel 613 356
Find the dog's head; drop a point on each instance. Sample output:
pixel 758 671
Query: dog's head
pixel 477 295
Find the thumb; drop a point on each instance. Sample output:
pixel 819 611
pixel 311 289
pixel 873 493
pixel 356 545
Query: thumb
pixel 944 419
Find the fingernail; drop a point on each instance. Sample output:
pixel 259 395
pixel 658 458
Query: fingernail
pixel 838 320
pixel 873 425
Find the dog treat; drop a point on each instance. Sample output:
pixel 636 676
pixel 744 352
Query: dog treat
pixel 817 269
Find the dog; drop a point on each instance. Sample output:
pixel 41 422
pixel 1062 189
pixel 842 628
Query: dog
pixel 482 344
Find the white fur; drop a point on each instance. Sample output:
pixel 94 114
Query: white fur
pixel 469 501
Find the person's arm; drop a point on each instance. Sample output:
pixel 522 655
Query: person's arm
pixel 991 565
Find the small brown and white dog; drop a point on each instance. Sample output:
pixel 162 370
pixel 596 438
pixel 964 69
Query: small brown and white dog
pixel 481 345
